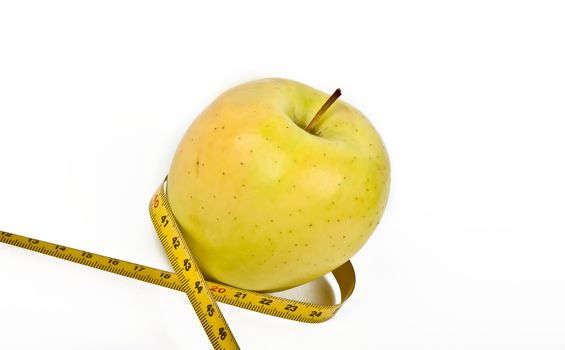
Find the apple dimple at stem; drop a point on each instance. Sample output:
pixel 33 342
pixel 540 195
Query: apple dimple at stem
pixel 323 109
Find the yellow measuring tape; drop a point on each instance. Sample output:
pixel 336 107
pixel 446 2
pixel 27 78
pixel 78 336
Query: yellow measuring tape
pixel 188 279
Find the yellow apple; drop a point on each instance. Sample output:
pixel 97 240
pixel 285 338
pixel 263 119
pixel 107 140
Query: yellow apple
pixel 265 204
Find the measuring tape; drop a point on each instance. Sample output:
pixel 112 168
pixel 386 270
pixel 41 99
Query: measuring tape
pixel 188 279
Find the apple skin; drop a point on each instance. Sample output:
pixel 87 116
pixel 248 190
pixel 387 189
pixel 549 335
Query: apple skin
pixel 265 205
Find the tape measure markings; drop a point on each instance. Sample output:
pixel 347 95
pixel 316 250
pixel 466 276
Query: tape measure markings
pixel 223 293
pixel 188 279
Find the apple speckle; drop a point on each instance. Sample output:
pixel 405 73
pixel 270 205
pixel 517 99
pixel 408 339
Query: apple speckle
pixel 296 217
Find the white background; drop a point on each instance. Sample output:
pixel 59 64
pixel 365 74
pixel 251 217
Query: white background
pixel 468 96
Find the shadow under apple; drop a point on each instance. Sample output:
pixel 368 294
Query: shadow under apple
pixel 318 291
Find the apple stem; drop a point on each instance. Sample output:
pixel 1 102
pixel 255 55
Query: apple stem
pixel 323 109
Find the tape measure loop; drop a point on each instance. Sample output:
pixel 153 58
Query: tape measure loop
pixel 188 279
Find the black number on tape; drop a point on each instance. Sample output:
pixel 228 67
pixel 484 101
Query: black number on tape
pixel 265 301
pixel 164 220
pixel 210 310
pixel 176 242
pixel 187 265
pixel 291 307
pixel 198 287
pixel 223 333
pixel 240 295
pixel 315 314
